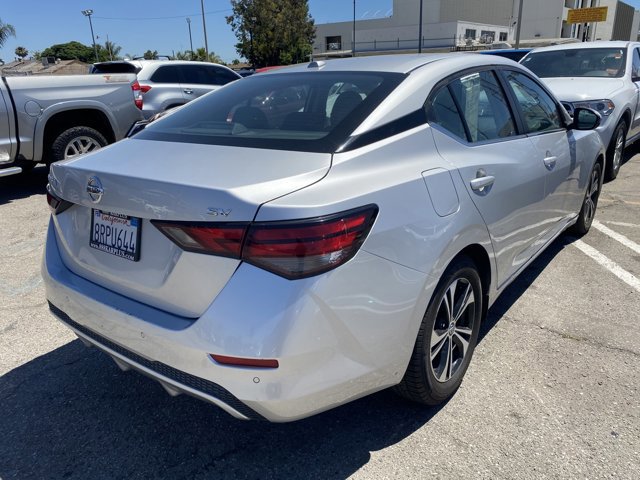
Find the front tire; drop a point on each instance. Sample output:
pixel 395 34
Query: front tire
pixel 589 204
pixel 615 150
pixel 447 336
pixel 76 141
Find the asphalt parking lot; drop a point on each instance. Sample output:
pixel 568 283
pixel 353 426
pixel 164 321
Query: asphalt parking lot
pixel 552 391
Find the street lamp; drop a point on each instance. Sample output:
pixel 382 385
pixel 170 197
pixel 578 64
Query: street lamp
pixel 88 13
pixel 190 40
pixel 353 47
pixel 204 27
pixel 420 30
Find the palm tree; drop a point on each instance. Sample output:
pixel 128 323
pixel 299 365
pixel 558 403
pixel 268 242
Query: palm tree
pixel 112 49
pixel 6 31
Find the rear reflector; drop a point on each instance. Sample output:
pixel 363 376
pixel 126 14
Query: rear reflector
pixel 245 362
pixel 292 249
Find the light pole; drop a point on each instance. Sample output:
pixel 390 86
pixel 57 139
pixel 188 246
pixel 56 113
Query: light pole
pixel 204 27
pixel 420 30
pixel 519 24
pixel 353 47
pixel 88 13
pixel 190 40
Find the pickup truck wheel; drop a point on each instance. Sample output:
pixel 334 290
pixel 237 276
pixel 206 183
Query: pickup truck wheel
pixel 77 141
pixel 615 151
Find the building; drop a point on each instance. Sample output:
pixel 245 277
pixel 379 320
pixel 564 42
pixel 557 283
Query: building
pixel 46 66
pixel 449 23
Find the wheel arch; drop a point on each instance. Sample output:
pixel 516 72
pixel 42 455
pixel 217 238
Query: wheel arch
pixel 63 120
pixel 480 257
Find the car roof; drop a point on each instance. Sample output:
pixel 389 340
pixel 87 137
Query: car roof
pixel 584 45
pixel 399 63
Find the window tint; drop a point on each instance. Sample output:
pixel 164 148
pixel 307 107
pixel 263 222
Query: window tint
pixel 539 110
pixel 223 76
pixel 442 111
pixel 206 75
pixel 166 74
pixel 484 106
pixel 285 111
pixel 635 69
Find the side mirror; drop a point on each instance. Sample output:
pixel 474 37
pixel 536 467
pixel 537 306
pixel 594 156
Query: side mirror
pixel 585 119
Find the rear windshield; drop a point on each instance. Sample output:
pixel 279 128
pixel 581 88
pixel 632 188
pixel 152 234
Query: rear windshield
pixel 578 62
pixel 122 67
pixel 307 111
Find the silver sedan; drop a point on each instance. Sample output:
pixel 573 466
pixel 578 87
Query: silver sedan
pixel 305 237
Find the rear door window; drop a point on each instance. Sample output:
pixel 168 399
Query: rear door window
pixel 484 106
pixel 165 74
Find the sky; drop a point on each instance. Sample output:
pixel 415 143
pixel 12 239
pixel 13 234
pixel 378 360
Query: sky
pixel 143 25
pixel 138 26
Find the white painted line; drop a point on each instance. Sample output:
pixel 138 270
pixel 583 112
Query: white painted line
pixel 623 224
pixel 616 236
pixel 610 265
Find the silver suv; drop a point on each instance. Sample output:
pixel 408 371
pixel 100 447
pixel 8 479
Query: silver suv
pixel 166 84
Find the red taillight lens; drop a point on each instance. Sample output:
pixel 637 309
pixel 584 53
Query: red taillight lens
pixel 304 248
pixel 292 249
pixel 220 239
pixel 145 88
pixel 137 94
pixel 56 204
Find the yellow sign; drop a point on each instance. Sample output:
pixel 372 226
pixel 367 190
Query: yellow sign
pixel 587 15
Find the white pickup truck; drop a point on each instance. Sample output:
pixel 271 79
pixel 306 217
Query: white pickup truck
pixel 603 76
pixel 50 118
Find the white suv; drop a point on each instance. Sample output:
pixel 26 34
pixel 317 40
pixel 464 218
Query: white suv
pixel 166 84
pixel 603 76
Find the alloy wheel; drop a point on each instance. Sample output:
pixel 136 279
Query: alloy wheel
pixel 591 199
pixel 452 330
pixel 80 145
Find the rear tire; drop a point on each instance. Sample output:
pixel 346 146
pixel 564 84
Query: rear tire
pixel 615 150
pixel 589 204
pixel 447 336
pixel 76 141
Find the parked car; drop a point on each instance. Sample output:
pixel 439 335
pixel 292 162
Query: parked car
pixel 166 84
pixel 51 118
pixel 514 54
pixel 279 268
pixel 604 76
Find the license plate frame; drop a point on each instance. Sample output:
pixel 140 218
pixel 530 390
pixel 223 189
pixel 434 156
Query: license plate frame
pixel 125 229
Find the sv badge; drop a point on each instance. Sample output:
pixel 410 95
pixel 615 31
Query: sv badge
pixel 218 212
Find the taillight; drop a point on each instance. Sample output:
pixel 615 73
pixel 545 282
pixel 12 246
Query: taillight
pixel 292 249
pixel 56 204
pixel 137 94
pixel 220 239
pixel 145 88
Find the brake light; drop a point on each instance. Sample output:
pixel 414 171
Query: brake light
pixel 137 94
pixel 56 204
pixel 224 240
pixel 292 249
pixel 145 88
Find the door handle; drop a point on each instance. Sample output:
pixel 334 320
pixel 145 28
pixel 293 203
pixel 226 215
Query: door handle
pixel 187 91
pixel 480 183
pixel 550 162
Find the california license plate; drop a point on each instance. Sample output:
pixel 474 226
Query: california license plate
pixel 115 234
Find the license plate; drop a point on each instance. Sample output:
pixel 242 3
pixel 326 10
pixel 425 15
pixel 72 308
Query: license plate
pixel 115 234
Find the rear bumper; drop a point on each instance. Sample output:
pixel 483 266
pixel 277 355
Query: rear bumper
pixel 335 340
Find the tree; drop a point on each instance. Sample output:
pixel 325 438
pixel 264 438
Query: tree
pixel 272 32
pixel 70 51
pixel 186 55
pixel 21 52
pixel 149 55
pixel 235 62
pixel 109 51
pixel 201 55
pixel 6 31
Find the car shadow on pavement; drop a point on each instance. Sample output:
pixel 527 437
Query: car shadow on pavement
pixel 72 413
pixel 23 185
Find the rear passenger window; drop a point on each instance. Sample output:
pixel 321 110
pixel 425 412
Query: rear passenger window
pixel 442 111
pixel 167 74
pixel 223 76
pixel 539 110
pixel 484 106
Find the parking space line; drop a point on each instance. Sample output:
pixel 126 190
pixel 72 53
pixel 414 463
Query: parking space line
pixel 622 224
pixel 609 264
pixel 616 236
